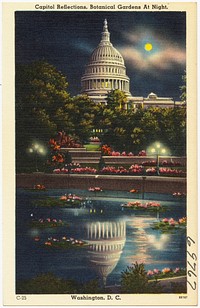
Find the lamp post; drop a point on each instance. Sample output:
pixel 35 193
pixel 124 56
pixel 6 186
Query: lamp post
pixel 36 149
pixel 158 151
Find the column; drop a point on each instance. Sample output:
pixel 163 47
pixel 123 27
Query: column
pixel 111 230
pixel 118 229
pixel 95 231
pixel 115 233
pixel 99 230
pixel 102 230
pixel 107 230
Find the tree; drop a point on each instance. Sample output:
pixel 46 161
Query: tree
pixel 134 279
pixel 183 89
pixel 47 284
pixel 116 99
pixel 81 111
pixel 40 96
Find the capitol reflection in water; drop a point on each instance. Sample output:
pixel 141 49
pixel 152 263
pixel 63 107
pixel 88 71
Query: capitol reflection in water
pixel 106 240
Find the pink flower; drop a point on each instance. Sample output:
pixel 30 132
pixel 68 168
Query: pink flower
pixel 165 220
pixel 156 271
pixel 172 222
pixel 150 273
pixel 177 270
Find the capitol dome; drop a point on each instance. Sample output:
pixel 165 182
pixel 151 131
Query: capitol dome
pixel 106 240
pixel 105 71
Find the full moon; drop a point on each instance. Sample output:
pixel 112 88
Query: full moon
pixel 148 46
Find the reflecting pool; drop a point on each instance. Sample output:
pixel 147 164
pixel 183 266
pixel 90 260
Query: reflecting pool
pixel 116 237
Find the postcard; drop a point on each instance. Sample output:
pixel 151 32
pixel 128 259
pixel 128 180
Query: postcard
pixel 100 154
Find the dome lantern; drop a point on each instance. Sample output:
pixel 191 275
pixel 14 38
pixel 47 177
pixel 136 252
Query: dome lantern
pixel 105 34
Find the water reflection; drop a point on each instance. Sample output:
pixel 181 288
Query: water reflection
pixel 159 241
pixel 116 239
pixel 106 240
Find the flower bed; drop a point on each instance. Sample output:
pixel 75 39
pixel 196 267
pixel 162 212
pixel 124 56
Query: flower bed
pixel 166 225
pixel 166 273
pixel 62 243
pixel 47 223
pixel 171 163
pixel 133 170
pixel 108 151
pixel 165 172
pixel 149 163
pixel 77 170
pixel 151 171
pixel 137 205
pixel 169 171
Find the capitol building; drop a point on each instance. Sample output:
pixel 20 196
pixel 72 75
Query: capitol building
pixel 106 71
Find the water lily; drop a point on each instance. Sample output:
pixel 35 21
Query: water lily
pixel 150 273
pixel 156 271
pixel 166 220
pixel 48 243
pixel 177 270
pixel 172 222
pixel 182 220
pixel 166 270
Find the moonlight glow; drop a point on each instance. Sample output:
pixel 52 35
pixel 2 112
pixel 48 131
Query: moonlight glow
pixel 148 46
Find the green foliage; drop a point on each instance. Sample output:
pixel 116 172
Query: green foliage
pixel 44 107
pixel 47 284
pixel 116 99
pixel 133 131
pixel 81 112
pixel 53 202
pixel 91 287
pixel 40 96
pixel 134 280
pixel 92 147
pixel 50 284
pixel 183 89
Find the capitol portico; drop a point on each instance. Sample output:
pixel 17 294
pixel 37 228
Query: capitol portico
pixel 106 71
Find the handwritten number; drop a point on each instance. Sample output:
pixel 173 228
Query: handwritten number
pixel 190 273
pixel 189 240
pixel 192 255
pixel 193 267
pixel 193 287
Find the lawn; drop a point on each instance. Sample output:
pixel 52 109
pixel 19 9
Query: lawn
pixel 92 147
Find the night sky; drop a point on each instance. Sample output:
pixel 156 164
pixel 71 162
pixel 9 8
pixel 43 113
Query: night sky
pixel 67 39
